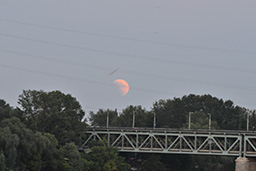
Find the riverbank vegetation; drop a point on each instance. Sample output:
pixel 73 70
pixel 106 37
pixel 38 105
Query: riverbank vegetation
pixel 47 129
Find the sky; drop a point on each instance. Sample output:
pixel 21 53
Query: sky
pixel 161 48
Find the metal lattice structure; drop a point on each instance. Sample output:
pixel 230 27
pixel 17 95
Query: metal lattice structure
pixel 175 142
pixel 250 145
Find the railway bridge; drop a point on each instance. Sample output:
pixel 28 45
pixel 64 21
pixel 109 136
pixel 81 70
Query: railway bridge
pixel 240 144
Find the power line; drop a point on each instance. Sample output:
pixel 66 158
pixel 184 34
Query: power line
pixel 86 80
pixel 134 39
pixel 78 79
pixel 111 69
pixel 128 55
pixel 142 74
pixel 67 62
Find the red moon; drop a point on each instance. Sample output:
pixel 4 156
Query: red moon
pixel 122 85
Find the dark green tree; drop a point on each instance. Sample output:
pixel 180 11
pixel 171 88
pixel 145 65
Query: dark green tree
pixel 5 110
pixel 153 162
pixel 2 161
pixel 143 118
pixel 24 149
pixel 72 157
pixel 104 158
pixel 200 120
pixel 55 113
pixel 174 113
pixel 26 142
pixel 252 119
pixel 100 118
pixel 49 153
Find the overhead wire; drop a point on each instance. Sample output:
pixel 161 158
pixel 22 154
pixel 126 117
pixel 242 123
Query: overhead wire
pixel 111 69
pixel 127 55
pixel 140 57
pixel 144 57
pixel 133 39
pixel 67 62
pixel 77 79
pixel 142 74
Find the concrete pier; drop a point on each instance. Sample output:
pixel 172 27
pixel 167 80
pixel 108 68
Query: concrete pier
pixel 242 164
pixel 245 164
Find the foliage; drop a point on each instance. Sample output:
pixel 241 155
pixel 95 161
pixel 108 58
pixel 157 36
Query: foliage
pixel 72 156
pixel 27 142
pixel 143 118
pixel 100 118
pixel 154 163
pixel 2 161
pixel 200 120
pixel 105 159
pixel 5 110
pixel 55 113
pixel 49 152
pixel 23 148
pixel 174 113
pixel 211 163
pixel 45 133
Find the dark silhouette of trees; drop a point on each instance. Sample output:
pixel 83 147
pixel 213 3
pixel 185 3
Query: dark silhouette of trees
pixel 47 130
pixel 55 113
pixel 45 135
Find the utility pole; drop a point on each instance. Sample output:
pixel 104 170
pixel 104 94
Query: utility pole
pixel 189 119
pixel 248 117
pixel 133 120
pixel 239 126
pixel 210 121
pixel 107 118
pixel 154 126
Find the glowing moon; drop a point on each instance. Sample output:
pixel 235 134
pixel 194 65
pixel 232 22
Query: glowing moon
pixel 122 85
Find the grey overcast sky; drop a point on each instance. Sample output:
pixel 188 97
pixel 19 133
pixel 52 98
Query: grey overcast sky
pixel 162 48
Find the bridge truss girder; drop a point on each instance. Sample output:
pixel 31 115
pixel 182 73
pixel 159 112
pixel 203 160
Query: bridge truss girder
pixel 176 143
pixel 249 146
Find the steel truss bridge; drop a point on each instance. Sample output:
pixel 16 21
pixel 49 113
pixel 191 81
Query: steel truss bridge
pixel 169 141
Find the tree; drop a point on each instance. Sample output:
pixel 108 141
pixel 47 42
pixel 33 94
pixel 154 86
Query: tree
pixel 153 162
pixel 5 110
pixel 253 120
pixel 50 155
pixel 27 144
pixel 200 120
pixel 55 113
pixel 19 145
pixel 2 161
pixel 143 118
pixel 104 158
pixel 174 113
pixel 100 118
pixel 24 149
pixel 72 158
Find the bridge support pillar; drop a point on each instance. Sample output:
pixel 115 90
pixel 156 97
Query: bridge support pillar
pixel 242 164
pixel 245 164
